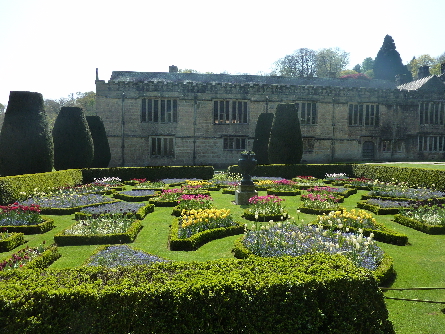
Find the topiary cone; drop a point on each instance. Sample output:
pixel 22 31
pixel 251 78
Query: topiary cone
pixel 102 154
pixel 26 145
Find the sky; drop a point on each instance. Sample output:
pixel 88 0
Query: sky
pixel 54 46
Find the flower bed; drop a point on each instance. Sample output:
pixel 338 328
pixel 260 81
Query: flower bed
pixel 288 239
pixel 401 192
pixel 121 256
pixel 336 191
pixel 135 195
pixel 197 227
pixel 139 210
pixel 103 229
pixel 168 197
pixel 10 240
pixel 383 207
pixel 362 222
pixel 24 219
pixel 66 204
pixel 265 208
pixel 304 182
pixel 319 203
pixel 31 258
pixel 427 219
pixel 192 202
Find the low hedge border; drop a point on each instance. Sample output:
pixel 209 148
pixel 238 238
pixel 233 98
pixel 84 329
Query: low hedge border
pixel 283 193
pixel 312 211
pixel 62 239
pixel 314 293
pixel 404 199
pixel 46 225
pixel 71 210
pixel 377 209
pixel 129 198
pixel 228 191
pixel 419 226
pixel 45 259
pixel 162 203
pixel 140 213
pixel 14 240
pixel 384 274
pixel 264 218
pixel 201 238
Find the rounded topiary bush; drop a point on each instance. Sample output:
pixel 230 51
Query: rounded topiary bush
pixel 73 144
pixel 286 142
pixel 102 154
pixel 26 145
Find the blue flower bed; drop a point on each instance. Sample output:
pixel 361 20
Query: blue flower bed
pixel 121 255
pixel 138 192
pixel 408 193
pixel 69 201
pixel 282 239
pixel 388 203
pixel 114 208
pixel 174 181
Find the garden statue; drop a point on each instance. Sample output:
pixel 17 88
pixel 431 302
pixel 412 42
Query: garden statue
pixel 247 164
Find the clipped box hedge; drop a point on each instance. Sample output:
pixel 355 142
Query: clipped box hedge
pixel 20 187
pixel 201 238
pixel 11 242
pixel 63 239
pixel 129 198
pixel 418 225
pixel 46 225
pixel 71 210
pixel 310 294
pixel 377 209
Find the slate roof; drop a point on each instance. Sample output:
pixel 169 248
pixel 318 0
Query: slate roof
pixel 431 83
pixel 129 76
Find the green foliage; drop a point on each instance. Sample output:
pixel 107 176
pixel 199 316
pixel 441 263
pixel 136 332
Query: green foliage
pixel 152 173
pixel 102 153
pixel 73 144
pixel 312 294
pixel 63 239
pixel 20 187
pixel 419 226
pixel 262 135
pixel 286 142
pixel 388 63
pixel 14 240
pixel 26 146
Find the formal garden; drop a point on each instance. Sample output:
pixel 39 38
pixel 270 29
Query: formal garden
pixel 177 254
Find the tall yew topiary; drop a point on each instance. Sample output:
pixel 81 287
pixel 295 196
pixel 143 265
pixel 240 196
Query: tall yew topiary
pixel 286 142
pixel 102 154
pixel 388 63
pixel 262 135
pixel 73 144
pixel 26 145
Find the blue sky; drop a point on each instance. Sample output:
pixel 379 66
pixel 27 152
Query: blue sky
pixel 54 47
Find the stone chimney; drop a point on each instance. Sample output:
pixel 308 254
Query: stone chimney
pixel 424 71
pixel 173 69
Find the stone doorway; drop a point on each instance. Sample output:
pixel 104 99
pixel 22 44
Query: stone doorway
pixel 368 150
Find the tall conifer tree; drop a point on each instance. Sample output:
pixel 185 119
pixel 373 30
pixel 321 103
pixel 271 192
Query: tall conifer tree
pixel 102 154
pixel 388 63
pixel 262 135
pixel 286 142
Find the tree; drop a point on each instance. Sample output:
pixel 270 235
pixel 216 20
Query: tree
pixel 331 61
pixel 26 146
pixel 262 135
pixel 102 154
pixel 388 63
pixel 73 144
pixel 2 108
pixel 357 68
pixel 425 60
pixel 286 142
pixel 86 101
pixel 301 63
pixel 367 64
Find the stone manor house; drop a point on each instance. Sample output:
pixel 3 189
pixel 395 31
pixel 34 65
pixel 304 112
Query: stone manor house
pixel 171 118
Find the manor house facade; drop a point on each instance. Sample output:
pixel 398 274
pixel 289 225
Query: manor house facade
pixel 171 118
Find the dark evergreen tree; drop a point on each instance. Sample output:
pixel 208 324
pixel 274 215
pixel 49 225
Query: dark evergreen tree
pixel 286 142
pixel 262 135
pixel 73 144
pixel 102 154
pixel 388 63
pixel 26 145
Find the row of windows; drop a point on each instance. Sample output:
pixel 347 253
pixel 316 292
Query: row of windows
pixel 364 114
pixel 392 146
pixel 431 143
pixel 159 111
pixel 431 113
pixel 230 111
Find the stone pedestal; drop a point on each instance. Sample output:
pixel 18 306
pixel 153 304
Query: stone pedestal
pixel 244 193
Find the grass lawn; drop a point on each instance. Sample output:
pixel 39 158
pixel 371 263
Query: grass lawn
pixel 420 264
